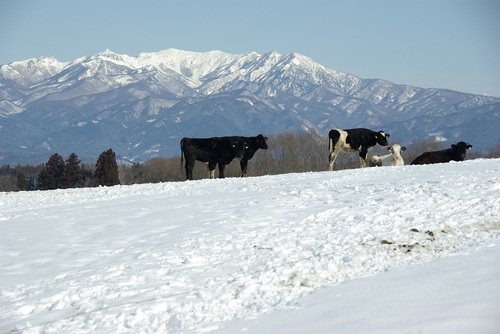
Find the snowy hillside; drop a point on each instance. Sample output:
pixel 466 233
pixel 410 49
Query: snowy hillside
pixel 413 249
pixel 142 106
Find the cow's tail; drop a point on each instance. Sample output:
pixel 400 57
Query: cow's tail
pixel 330 141
pixel 182 151
pixel 333 139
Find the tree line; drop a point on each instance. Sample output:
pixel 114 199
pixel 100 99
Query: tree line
pixel 58 173
pixel 287 153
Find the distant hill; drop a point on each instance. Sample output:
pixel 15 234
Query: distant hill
pixel 142 106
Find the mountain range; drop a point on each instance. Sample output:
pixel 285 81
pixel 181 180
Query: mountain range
pixel 142 106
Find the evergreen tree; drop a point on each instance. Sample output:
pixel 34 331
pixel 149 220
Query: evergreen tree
pixel 87 176
pixel 22 182
pixel 53 175
pixel 32 183
pixel 74 174
pixel 106 169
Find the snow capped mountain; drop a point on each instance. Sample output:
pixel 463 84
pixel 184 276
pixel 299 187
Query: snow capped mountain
pixel 31 71
pixel 142 106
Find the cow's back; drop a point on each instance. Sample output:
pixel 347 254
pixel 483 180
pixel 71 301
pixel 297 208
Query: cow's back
pixel 435 157
pixel 422 159
pixel 200 149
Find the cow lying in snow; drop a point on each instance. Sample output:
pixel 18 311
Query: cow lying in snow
pixel 394 158
pixel 354 140
pixel 213 150
pixel 455 153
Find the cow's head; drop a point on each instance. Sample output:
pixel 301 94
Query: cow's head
pixel 237 148
pixel 261 142
pixel 245 150
pixel 381 138
pixel 461 146
pixel 460 149
pixel 396 148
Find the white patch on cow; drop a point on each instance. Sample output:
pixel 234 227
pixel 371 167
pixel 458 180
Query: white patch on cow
pixel 211 174
pixel 340 145
pixel 394 158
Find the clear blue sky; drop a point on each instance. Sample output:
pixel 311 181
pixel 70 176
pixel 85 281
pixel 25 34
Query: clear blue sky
pixel 451 44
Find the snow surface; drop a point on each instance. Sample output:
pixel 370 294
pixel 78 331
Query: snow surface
pixel 411 249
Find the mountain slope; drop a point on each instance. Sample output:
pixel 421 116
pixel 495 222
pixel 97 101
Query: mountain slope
pixel 142 106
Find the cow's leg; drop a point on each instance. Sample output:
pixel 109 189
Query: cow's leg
pixel 211 170
pixel 362 162
pixel 244 166
pixel 222 166
pixel 333 154
pixel 362 157
pixel 331 159
pixel 189 169
pixel 333 147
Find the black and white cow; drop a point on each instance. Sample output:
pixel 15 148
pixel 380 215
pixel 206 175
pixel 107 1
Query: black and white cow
pixel 354 140
pixel 456 153
pixel 215 150
pixel 250 146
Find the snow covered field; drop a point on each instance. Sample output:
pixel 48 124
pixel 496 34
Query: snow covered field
pixel 404 250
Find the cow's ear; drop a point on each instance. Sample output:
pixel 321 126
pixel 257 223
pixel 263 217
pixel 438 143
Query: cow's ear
pixel 387 135
pixel 403 148
pixel 390 149
pixel 469 147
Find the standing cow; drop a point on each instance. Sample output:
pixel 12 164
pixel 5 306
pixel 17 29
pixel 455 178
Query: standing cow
pixel 213 150
pixel 456 153
pixel 250 146
pixel 354 140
